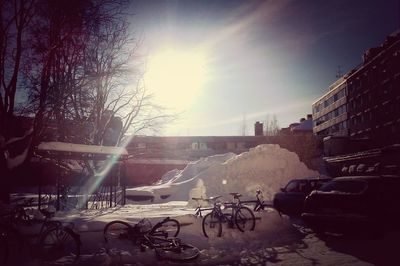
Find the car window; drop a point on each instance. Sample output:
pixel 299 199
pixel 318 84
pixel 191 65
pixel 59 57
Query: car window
pixel 347 186
pixel 315 184
pixel 302 186
pixel 292 186
pixel 297 186
pixel 321 182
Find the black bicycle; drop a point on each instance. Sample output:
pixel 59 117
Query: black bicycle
pixel 162 238
pixel 259 203
pixel 200 209
pixel 240 215
pixel 51 242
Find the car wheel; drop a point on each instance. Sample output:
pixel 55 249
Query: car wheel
pixel 375 231
pixel 318 229
pixel 277 205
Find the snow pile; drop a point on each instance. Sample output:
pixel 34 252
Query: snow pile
pixel 267 167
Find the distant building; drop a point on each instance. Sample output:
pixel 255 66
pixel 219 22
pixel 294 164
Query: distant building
pixel 190 147
pixel 302 127
pixel 258 129
pixel 305 125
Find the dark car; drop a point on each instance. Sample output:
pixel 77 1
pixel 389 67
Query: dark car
pixel 291 198
pixel 354 202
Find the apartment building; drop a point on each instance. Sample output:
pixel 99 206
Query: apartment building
pixel 373 100
pixel 364 103
pixel 330 111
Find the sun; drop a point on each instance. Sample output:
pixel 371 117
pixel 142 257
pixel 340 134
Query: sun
pixel 175 77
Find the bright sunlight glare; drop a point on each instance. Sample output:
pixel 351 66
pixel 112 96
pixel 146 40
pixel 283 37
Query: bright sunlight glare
pixel 175 77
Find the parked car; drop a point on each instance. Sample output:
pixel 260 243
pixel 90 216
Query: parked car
pixel 354 202
pixel 290 199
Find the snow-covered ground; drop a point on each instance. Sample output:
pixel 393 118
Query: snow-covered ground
pixel 276 240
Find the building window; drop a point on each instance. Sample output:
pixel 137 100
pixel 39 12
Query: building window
pixel 141 145
pixel 354 121
pixel 195 146
pixel 231 145
pixel 203 146
pixel 241 145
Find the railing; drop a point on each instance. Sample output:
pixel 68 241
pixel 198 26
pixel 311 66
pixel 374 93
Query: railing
pixel 106 197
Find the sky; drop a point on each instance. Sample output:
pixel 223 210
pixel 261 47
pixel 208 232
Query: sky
pixel 223 65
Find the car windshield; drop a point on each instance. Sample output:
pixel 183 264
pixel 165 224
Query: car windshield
pixel 347 186
pixel 296 186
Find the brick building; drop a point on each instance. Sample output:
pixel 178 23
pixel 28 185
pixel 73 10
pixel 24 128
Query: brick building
pixel 374 95
pixel 364 103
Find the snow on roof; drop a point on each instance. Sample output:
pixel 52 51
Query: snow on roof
pixel 81 149
pixel 306 125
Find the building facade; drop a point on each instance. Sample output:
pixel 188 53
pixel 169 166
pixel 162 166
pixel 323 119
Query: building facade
pixel 374 95
pixel 330 111
pixel 365 103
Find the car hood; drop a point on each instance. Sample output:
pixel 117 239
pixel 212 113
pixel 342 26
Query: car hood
pixel 320 202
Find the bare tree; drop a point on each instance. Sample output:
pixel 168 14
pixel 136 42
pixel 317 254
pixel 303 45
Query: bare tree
pixel 15 17
pixel 271 126
pixel 89 74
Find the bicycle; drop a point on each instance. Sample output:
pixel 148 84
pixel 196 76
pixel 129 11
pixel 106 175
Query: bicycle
pixel 199 208
pixel 162 238
pixel 259 201
pixel 3 248
pixel 53 241
pixel 240 215
pixel 243 216
pixel 260 204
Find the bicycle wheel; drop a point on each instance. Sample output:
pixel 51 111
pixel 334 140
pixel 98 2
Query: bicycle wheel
pixel 12 245
pixel 3 248
pixel 212 226
pixel 244 219
pixel 116 230
pixel 59 242
pixel 259 206
pixel 179 252
pixel 20 216
pixel 167 228
pixel 49 225
pixel 228 221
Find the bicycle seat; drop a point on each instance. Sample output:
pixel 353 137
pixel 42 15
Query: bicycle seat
pixel 235 195
pixel 198 199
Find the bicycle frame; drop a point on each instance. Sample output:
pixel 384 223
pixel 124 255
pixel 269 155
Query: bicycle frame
pixel 199 209
pixel 150 241
pixel 260 204
pixel 217 210
pixel 32 241
pixel 157 238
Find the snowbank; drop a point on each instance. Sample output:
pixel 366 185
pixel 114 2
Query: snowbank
pixel 267 167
